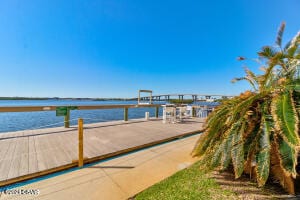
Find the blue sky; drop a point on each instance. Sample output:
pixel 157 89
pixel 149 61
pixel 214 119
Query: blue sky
pixel 94 48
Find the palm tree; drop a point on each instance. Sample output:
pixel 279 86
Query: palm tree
pixel 257 131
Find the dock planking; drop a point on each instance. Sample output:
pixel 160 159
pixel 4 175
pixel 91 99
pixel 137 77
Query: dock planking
pixel 31 152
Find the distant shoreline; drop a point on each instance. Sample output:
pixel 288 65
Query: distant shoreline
pixel 57 98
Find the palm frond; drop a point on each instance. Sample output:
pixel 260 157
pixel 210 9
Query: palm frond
pixel 293 42
pixel 252 83
pixel 215 157
pixel 278 59
pixel 280 34
pixel 285 117
pixel 212 133
pixel 287 45
pixel 216 126
pixel 296 86
pixel 267 52
pixel 250 74
pixel 263 155
pixel 237 152
pixel 244 106
pixel 277 170
pixel 206 139
pixel 291 51
pixel 226 157
pixel 288 157
pixel 218 114
pixel 250 148
pixel 268 75
pixel 220 155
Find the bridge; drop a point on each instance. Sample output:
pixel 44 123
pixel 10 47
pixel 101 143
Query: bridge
pixel 194 97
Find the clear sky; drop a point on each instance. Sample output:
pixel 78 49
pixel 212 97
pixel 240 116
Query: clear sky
pixel 113 48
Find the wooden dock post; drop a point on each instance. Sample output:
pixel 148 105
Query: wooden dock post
pixel 67 119
pixel 80 142
pixel 194 112
pixel 156 111
pixel 125 114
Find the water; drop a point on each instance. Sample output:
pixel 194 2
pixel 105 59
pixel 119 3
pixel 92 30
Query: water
pixel 16 121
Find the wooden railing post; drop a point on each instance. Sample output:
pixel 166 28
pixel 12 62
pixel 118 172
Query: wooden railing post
pixel 67 119
pixel 125 114
pixel 80 142
pixel 156 111
pixel 194 112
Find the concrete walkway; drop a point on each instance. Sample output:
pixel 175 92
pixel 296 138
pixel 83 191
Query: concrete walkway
pixel 118 178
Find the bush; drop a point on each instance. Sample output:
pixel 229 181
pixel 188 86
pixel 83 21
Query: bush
pixel 257 131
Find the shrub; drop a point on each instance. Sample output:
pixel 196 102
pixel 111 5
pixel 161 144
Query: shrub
pixel 257 131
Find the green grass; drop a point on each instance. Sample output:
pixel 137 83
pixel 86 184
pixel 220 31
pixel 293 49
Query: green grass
pixel 191 183
pixel 181 101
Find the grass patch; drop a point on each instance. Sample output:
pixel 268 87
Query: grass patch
pixel 190 183
pixel 181 101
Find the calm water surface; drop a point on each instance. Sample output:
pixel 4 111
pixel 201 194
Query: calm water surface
pixel 16 121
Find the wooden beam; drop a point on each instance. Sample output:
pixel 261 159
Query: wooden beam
pixel 80 142
pixel 193 111
pixel 26 108
pixel 87 107
pixel 67 119
pixel 145 91
pixel 125 114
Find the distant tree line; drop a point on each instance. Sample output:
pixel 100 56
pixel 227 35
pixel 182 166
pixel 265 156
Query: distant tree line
pixel 57 98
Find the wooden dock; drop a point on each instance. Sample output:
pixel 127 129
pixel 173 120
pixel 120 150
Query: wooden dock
pixel 31 153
